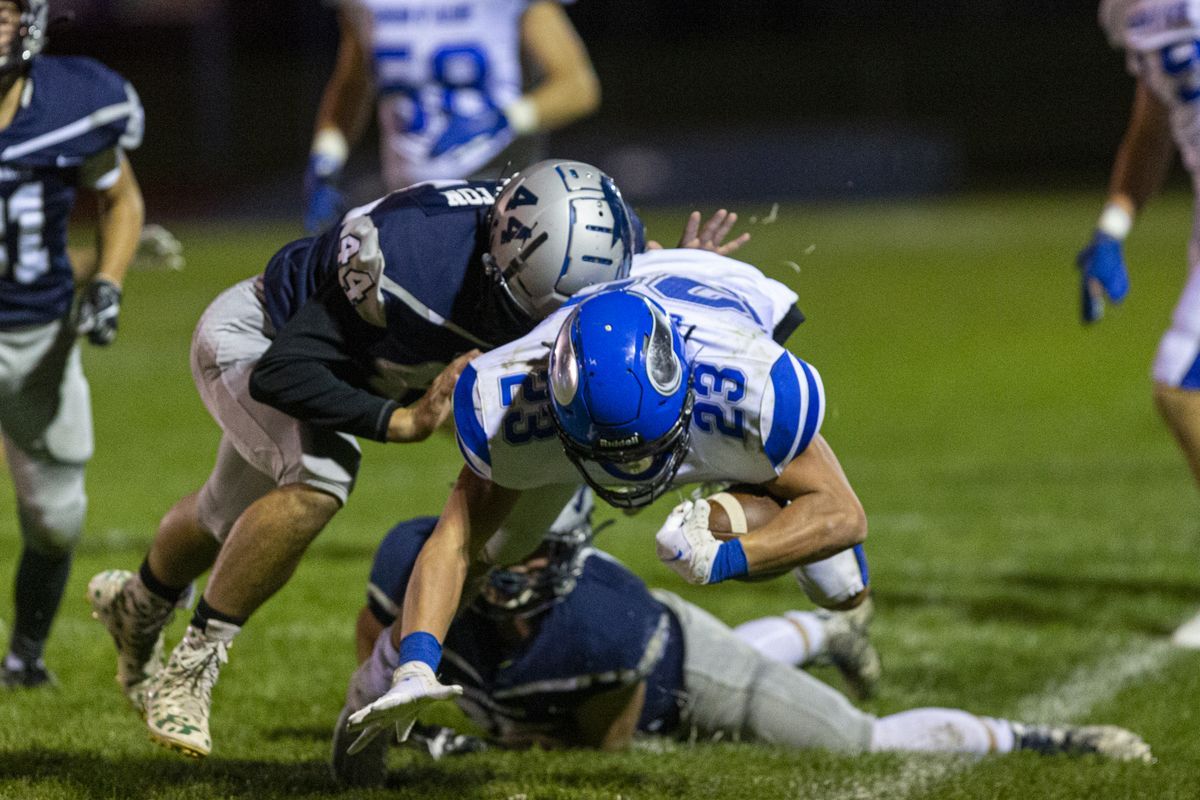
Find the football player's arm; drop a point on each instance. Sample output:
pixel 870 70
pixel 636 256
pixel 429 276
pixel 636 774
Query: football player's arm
pixel 120 212
pixel 608 720
pixel 569 88
pixel 473 513
pixel 1138 172
pixel 309 372
pixel 823 518
pixel 346 99
pixel 1144 155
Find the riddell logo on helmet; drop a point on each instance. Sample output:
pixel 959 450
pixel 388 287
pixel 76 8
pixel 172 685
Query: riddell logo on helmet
pixel 628 441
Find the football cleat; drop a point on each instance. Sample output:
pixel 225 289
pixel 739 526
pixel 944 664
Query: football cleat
pixel 179 697
pixel 849 650
pixel 26 676
pixel 1109 741
pixel 442 742
pixel 135 619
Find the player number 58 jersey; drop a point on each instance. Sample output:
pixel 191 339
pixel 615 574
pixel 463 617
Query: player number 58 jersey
pixel 756 406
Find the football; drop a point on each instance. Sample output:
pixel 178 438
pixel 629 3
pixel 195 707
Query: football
pixel 740 509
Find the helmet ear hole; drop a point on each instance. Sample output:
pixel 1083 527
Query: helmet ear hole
pixel 558 227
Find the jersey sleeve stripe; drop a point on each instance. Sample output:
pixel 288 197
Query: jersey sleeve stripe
pixel 815 401
pixel 97 119
pixel 472 439
pixel 785 417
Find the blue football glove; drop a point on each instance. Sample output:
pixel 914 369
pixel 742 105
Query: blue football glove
pixel 324 204
pixel 462 130
pixel 1103 274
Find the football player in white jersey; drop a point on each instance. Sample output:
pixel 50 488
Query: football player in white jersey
pixel 666 378
pixel 1162 41
pixel 451 94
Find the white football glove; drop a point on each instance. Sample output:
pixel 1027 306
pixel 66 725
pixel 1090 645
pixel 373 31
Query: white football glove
pixel 684 542
pixel 414 686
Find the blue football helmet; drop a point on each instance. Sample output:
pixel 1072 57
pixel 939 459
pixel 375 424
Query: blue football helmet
pixel 621 395
pixel 30 36
pixel 557 227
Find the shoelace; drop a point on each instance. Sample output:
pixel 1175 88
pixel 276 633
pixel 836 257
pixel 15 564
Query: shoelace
pixel 198 662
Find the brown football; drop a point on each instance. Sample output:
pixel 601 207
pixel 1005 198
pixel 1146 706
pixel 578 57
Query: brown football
pixel 751 506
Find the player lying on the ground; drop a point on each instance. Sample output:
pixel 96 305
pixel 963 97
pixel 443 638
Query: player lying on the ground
pixel 541 660
pixel 667 378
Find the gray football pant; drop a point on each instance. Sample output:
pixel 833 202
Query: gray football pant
pixel 46 420
pixel 733 692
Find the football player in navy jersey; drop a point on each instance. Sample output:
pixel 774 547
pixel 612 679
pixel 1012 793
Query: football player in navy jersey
pixel 450 84
pixel 568 648
pixel 65 124
pixel 360 331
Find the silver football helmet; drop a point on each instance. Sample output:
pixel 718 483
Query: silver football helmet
pixel 30 36
pixel 557 227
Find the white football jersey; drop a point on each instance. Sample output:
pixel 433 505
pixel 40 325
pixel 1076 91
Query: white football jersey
pixel 1161 39
pixel 756 405
pixel 442 72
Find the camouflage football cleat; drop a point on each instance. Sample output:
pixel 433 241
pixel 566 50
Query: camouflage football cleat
pixel 848 648
pixel 179 697
pixel 135 619
pixel 1109 741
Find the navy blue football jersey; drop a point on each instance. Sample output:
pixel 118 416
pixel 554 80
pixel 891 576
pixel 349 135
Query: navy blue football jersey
pixel 72 109
pixel 608 632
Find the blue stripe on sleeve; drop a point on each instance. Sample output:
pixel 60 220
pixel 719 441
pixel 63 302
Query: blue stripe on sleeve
pixel 860 556
pixel 812 420
pixel 472 439
pixel 785 417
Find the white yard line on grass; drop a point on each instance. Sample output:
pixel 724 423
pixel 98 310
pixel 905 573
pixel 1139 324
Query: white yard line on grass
pixel 1065 701
pixel 1188 634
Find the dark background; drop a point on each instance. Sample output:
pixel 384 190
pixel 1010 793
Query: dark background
pixel 827 99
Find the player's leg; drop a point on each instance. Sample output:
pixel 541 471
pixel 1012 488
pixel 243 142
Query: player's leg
pixel 136 607
pixel 1177 369
pixel 312 472
pixel 45 412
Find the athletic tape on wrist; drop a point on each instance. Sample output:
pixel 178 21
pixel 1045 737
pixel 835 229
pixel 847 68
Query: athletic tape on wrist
pixel 331 149
pixel 522 116
pixel 729 563
pixel 421 646
pixel 1115 221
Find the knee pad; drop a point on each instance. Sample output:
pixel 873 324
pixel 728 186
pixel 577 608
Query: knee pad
pixel 53 522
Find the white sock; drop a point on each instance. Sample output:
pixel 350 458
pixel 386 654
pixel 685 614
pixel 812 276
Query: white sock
pixel 946 730
pixel 795 638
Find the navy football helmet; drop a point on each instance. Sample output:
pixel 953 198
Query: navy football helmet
pixel 557 227
pixel 30 36
pixel 541 580
pixel 621 395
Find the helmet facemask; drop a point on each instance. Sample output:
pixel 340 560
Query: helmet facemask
pixel 29 36
pixel 540 581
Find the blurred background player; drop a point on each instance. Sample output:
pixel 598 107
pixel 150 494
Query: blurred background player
pixel 673 376
pixel 448 82
pixel 1162 43
pixel 541 663
pixel 65 124
pixel 1165 59
pixel 360 331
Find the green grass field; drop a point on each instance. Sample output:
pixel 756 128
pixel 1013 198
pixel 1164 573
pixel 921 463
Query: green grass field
pixel 1034 533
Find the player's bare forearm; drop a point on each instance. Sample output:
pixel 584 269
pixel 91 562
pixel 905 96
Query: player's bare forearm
pixel 472 514
pixel 570 89
pixel 823 518
pixel 121 214
pixel 346 100
pixel 1144 155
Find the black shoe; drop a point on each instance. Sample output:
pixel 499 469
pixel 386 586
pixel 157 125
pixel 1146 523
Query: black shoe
pixel 28 676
